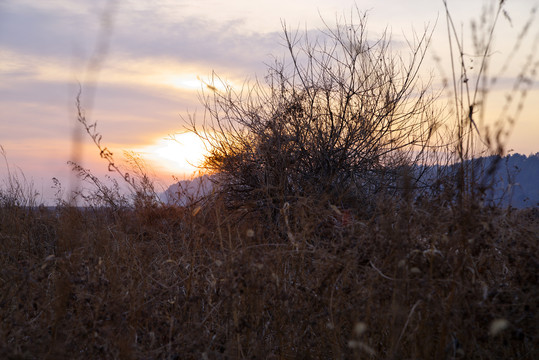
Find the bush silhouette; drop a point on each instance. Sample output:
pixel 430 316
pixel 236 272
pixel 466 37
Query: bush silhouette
pixel 341 118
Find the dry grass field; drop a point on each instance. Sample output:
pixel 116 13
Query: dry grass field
pixel 413 281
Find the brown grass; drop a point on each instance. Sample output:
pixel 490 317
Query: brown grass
pixel 421 281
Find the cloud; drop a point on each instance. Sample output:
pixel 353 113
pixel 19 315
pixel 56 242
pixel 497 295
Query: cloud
pixel 194 41
pixel 41 32
pixel 67 34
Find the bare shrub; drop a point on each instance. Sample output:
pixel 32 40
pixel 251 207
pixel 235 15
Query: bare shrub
pixel 341 116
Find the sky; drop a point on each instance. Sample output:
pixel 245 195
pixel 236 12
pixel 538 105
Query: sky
pixel 140 64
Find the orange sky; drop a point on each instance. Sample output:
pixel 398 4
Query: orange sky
pixel 146 79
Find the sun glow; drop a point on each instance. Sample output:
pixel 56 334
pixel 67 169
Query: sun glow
pixel 180 155
pixel 184 82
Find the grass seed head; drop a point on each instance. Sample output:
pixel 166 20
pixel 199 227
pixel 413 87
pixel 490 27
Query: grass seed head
pixel 360 328
pixel 497 326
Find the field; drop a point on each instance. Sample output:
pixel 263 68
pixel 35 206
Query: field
pixel 422 280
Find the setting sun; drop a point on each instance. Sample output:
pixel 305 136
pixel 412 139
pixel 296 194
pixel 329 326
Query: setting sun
pixel 184 82
pixel 179 155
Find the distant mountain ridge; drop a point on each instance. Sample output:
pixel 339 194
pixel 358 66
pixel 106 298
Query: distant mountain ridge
pixel 185 192
pixel 515 182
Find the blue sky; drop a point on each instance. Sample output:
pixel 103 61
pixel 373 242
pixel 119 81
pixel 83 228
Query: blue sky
pixel 146 79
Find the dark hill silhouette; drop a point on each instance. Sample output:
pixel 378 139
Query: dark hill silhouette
pixel 514 182
pixel 186 192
